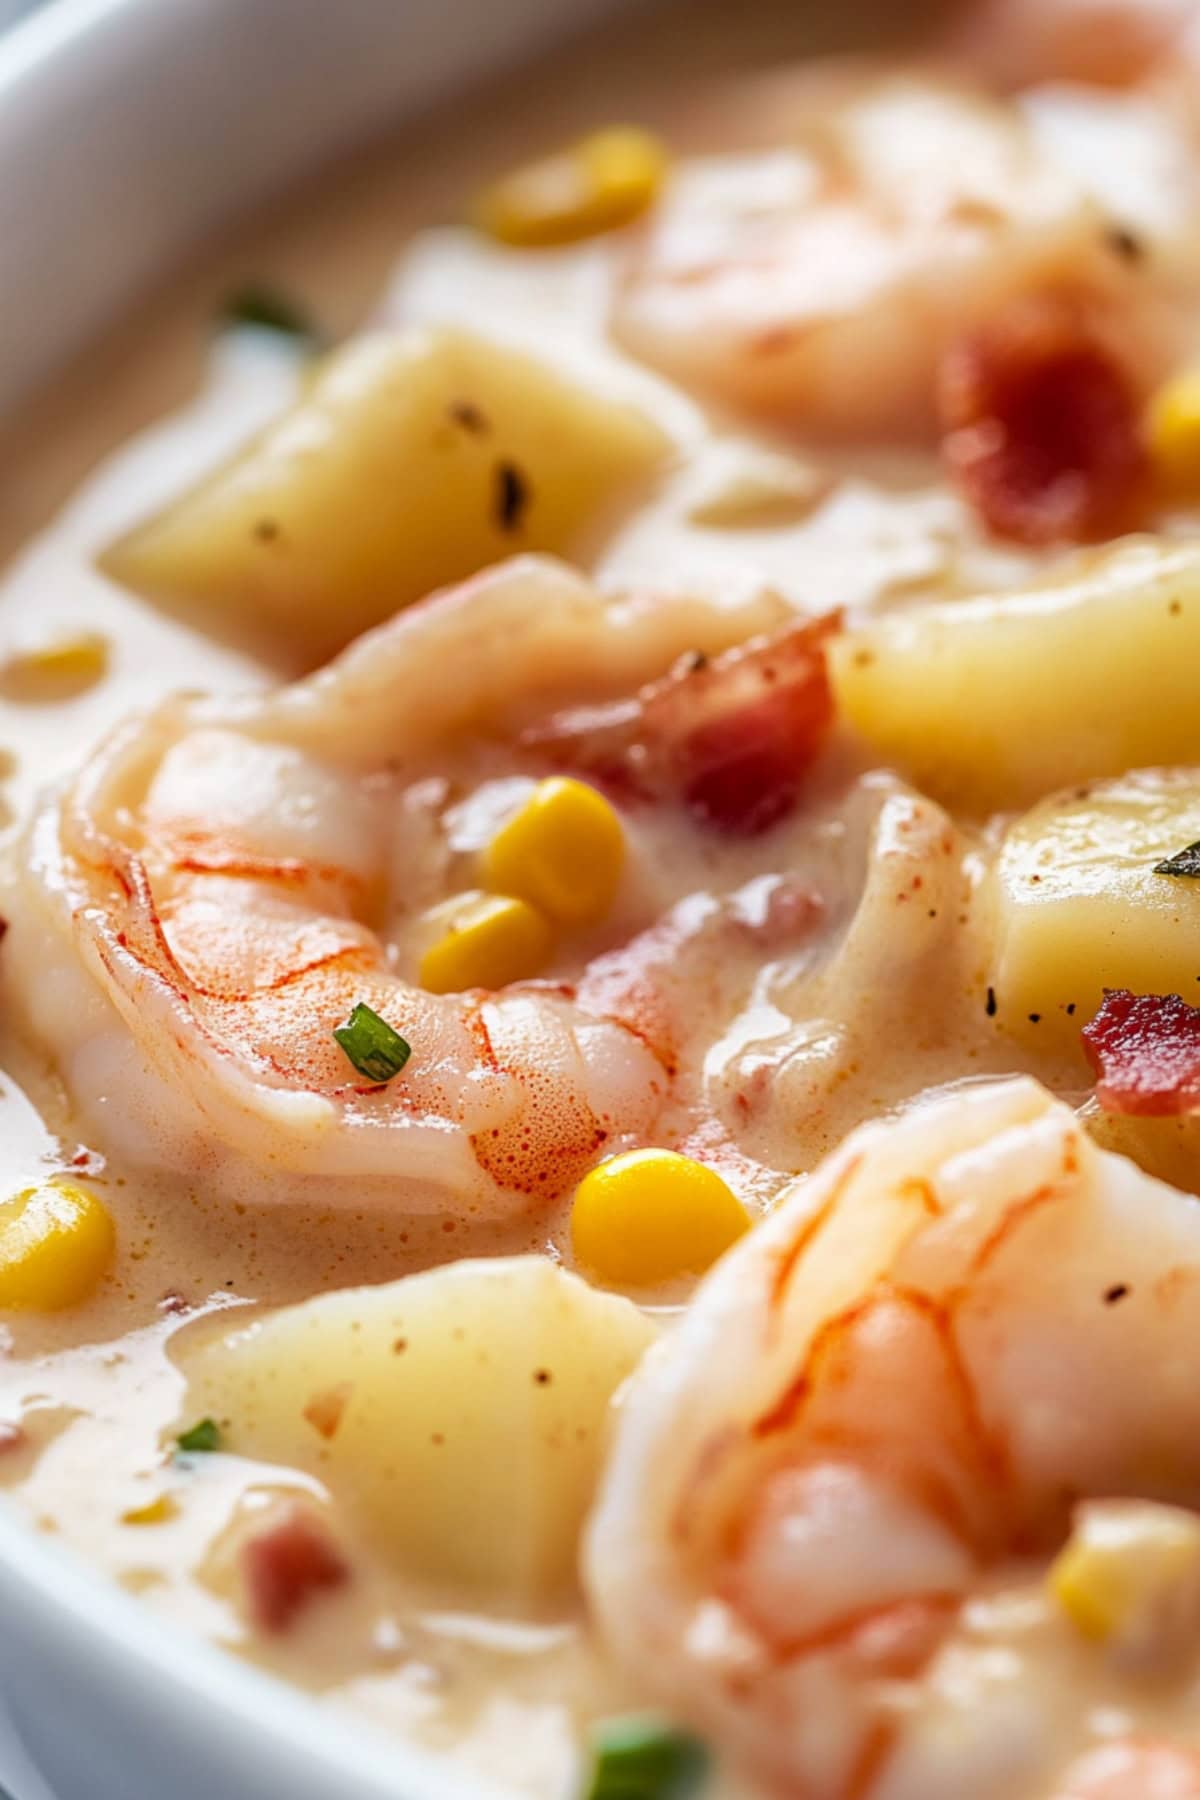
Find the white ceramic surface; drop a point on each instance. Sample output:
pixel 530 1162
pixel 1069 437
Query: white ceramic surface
pixel 12 10
pixel 128 130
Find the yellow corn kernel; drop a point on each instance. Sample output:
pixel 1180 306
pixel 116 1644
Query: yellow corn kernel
pixel 1130 1573
pixel 602 181
pixel 489 940
pixel 55 667
pixel 56 1240
pixel 1173 432
pixel 155 1512
pixel 648 1215
pixel 563 852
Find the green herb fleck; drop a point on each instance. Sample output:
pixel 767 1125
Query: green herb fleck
pixel 1184 862
pixel 200 1439
pixel 373 1047
pixel 267 309
pixel 642 1759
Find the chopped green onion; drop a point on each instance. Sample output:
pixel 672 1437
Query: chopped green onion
pixel 201 1438
pixel 1184 862
pixel 267 309
pixel 373 1047
pixel 642 1759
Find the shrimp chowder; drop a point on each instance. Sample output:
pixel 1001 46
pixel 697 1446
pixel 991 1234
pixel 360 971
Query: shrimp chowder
pixel 601 895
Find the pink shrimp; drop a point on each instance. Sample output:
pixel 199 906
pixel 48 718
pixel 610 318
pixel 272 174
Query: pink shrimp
pixel 819 283
pixel 1135 1769
pixel 874 1423
pixel 217 891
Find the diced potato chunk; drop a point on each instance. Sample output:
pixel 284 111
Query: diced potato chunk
pixel 1079 906
pixel 410 462
pixel 458 1415
pixel 998 700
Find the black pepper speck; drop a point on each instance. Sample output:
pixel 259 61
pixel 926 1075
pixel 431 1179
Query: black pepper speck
pixel 511 496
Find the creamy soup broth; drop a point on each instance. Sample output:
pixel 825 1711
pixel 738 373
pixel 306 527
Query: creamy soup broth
pixel 825 970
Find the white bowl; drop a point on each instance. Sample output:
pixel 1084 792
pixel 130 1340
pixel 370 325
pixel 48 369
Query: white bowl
pixel 128 130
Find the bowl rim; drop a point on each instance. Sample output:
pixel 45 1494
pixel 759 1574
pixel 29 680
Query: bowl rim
pixel 171 1666
pixel 154 124
pixel 50 28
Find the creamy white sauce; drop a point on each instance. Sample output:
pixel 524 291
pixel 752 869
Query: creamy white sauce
pixel 99 1391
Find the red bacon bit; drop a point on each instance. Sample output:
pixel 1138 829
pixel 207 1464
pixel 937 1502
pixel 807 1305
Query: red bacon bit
pixel 1145 1051
pixel 746 766
pixel 286 1564
pixel 731 737
pixel 1040 427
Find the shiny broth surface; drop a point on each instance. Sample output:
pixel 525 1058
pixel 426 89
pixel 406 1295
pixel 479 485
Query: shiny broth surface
pixel 806 563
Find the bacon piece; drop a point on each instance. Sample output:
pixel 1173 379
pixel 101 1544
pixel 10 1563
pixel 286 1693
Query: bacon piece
pixel 731 737
pixel 286 1563
pixel 1145 1050
pixel 1041 427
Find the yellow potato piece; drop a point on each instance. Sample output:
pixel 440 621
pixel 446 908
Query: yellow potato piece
pixel 1167 1148
pixel 410 462
pixel 998 700
pixel 1079 907
pixel 459 1416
